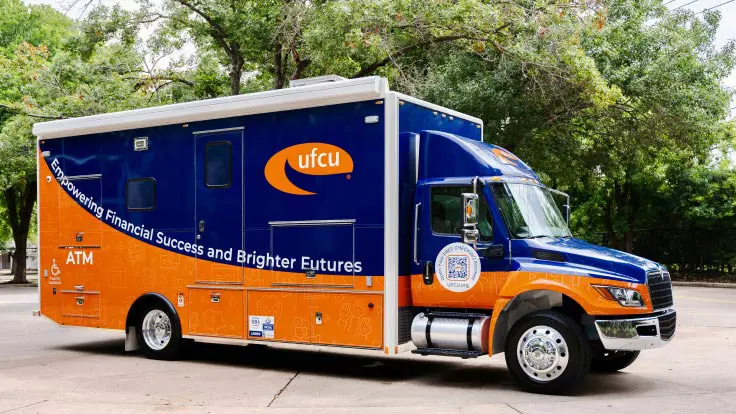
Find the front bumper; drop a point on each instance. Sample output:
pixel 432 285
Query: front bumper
pixel 636 334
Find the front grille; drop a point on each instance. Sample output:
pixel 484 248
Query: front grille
pixel 667 325
pixel 660 289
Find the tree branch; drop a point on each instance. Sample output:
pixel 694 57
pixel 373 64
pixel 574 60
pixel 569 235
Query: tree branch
pixel 406 49
pixel 32 115
pixel 221 34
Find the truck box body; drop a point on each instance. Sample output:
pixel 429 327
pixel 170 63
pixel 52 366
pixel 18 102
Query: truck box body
pixel 339 214
pixel 262 228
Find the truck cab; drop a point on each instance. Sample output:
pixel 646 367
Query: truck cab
pixel 496 269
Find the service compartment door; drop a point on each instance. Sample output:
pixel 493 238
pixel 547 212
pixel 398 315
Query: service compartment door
pixel 216 311
pixel 219 205
pixel 312 253
pixel 347 319
pixel 278 316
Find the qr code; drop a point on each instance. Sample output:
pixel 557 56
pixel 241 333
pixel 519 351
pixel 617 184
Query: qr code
pixel 457 267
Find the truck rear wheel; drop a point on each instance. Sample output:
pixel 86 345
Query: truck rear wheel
pixel 158 333
pixel 612 361
pixel 547 352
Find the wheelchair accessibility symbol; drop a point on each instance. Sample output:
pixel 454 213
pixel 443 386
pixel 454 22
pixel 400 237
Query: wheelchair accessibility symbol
pixel 55 271
pixel 55 279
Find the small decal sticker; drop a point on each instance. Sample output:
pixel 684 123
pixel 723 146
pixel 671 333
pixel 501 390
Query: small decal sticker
pixel 55 274
pixel 180 300
pixel 261 326
pixel 457 267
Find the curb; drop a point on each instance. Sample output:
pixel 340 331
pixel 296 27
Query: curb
pixel 10 285
pixel 706 284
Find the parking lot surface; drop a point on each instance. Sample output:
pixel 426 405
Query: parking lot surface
pixel 54 369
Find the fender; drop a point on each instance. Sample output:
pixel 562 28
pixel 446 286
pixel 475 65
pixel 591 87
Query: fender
pixel 546 290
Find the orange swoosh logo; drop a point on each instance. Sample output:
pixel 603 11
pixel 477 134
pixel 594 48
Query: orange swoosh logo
pixel 311 158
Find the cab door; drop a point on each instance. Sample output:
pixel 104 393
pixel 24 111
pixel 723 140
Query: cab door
pixel 452 273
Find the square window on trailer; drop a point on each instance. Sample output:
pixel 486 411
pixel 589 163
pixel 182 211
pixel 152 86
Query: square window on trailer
pixel 140 194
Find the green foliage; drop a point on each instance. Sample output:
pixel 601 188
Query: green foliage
pixel 17 147
pixel 620 102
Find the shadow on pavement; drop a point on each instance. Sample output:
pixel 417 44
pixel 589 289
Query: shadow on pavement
pixel 434 372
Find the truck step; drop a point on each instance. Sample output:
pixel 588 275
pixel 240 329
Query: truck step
pixel 464 354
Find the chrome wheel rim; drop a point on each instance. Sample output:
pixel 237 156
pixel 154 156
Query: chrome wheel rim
pixel 542 353
pixel 156 329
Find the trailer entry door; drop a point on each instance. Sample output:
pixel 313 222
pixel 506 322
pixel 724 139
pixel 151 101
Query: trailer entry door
pixel 219 205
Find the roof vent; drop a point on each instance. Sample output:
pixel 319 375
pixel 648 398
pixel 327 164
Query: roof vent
pixel 315 80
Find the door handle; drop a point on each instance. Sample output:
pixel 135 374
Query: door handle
pixel 416 232
pixel 428 275
pixel 201 226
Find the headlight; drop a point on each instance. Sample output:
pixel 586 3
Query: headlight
pixel 625 297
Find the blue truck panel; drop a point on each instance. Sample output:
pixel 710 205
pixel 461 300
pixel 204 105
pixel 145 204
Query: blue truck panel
pixel 170 160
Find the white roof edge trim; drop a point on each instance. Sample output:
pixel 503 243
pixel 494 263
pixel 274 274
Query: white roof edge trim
pixel 352 90
pixel 439 108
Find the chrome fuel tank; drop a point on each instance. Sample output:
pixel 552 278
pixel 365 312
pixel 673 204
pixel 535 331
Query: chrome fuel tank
pixel 451 333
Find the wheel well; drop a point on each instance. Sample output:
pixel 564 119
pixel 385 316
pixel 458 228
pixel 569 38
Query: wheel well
pixel 528 302
pixel 145 301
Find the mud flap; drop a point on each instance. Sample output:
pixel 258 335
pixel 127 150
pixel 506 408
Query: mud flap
pixel 131 340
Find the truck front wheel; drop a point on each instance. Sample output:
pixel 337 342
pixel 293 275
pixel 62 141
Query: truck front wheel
pixel 547 352
pixel 612 361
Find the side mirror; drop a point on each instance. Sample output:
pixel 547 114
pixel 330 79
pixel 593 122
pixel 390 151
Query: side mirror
pixel 470 209
pixel 470 218
pixel 470 236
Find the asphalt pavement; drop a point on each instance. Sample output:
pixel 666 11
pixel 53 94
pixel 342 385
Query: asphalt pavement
pixel 53 369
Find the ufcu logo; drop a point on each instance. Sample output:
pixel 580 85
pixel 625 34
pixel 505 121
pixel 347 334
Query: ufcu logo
pixel 311 158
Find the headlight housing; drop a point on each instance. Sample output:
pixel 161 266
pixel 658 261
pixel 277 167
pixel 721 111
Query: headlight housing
pixel 625 297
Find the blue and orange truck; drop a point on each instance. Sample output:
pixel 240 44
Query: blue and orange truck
pixel 335 213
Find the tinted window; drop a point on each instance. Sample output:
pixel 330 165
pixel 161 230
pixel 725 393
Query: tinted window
pixel 447 212
pixel 218 164
pixel 141 194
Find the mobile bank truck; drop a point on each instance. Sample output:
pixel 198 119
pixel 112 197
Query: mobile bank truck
pixel 336 214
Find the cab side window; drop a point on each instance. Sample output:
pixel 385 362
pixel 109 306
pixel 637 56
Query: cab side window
pixel 447 212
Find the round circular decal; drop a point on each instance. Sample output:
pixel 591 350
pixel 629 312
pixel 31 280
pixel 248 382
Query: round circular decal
pixel 457 267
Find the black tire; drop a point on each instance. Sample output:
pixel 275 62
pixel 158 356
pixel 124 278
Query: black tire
pixel 612 361
pixel 578 353
pixel 174 348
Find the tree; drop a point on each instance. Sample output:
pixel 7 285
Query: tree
pixel 57 77
pixel 671 112
pixel 21 25
pixel 641 96
pixel 18 185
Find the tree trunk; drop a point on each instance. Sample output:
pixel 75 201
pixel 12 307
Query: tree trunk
pixel 279 77
pixel 235 75
pixel 19 262
pixel 20 203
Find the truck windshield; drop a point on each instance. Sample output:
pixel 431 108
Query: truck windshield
pixel 529 211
